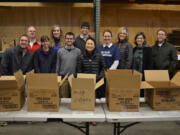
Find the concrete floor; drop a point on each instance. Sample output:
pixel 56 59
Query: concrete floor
pixel 56 128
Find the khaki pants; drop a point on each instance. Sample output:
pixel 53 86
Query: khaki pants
pixel 65 90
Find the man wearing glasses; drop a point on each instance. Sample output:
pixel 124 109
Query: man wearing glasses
pixel 67 61
pixel 164 54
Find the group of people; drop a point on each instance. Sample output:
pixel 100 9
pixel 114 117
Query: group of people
pixel 81 55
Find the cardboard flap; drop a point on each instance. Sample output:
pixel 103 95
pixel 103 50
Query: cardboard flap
pixel 156 75
pixel 99 83
pixel 6 80
pixel 59 79
pixel 176 79
pixel 70 79
pixel 30 72
pixel 42 81
pixel 119 71
pixel 82 75
pixel 137 73
pixel 19 78
pixel 63 80
pixel 145 85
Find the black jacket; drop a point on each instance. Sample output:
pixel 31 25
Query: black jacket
pixel 126 53
pixel 45 63
pixel 91 63
pixel 165 57
pixel 147 58
pixel 80 43
pixel 13 60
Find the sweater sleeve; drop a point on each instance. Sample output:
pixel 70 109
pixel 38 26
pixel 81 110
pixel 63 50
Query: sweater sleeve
pixel 5 62
pixel 102 68
pixel 114 65
pixel 54 60
pixel 79 65
pixel 129 56
pixel 174 60
pixel 58 63
pixel 36 62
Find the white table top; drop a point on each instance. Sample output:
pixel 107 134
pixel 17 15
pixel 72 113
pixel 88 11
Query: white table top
pixel 64 113
pixel 145 114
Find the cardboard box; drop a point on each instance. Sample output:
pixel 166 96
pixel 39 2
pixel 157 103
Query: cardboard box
pixel 123 90
pixel 83 91
pixel 43 92
pixel 12 92
pixel 162 93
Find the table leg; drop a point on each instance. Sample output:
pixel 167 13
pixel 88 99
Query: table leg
pixel 87 128
pixel 118 129
pixel 114 128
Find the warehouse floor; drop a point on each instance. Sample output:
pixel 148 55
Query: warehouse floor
pixel 56 128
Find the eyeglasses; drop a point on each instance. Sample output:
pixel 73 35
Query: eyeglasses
pixel 69 38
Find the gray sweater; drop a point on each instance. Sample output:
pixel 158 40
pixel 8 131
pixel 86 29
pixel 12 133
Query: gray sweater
pixel 67 60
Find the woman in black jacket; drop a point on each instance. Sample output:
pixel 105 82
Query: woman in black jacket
pixel 45 57
pixel 92 63
pixel 142 53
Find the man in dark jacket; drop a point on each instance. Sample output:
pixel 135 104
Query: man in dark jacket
pixel 164 54
pixel 80 41
pixel 16 58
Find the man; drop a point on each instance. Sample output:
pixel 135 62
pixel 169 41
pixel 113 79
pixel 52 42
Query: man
pixel 164 54
pixel 81 39
pixel 67 61
pixel 67 56
pixel 33 43
pixel 18 57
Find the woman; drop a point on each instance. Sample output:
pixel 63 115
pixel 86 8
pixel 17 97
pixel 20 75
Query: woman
pixel 125 49
pixel 109 51
pixel 142 53
pixel 56 34
pixel 45 57
pixel 93 63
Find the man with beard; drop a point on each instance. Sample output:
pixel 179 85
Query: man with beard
pixel 18 57
pixel 164 54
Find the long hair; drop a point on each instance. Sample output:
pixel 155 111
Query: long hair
pixel 127 33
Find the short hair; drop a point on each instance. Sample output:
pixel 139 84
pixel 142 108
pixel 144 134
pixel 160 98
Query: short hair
pixel 85 24
pixel 162 30
pixel 90 38
pixel 70 34
pixel 107 31
pixel 52 30
pixel 23 35
pixel 44 38
pixel 30 27
pixel 140 34
pixel 127 33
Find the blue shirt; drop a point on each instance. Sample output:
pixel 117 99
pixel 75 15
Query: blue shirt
pixel 110 54
pixel 56 45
